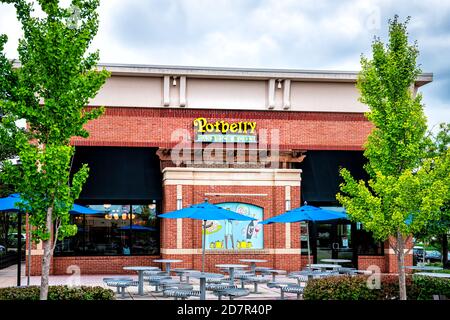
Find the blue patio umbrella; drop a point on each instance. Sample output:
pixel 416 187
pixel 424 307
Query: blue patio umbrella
pixel 205 211
pixel 306 213
pixel 11 203
pixel 137 227
pixel 77 209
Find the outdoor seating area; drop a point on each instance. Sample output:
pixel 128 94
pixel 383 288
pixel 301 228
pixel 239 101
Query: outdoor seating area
pixel 232 281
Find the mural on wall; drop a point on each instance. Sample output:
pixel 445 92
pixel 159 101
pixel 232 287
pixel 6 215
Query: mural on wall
pixel 231 234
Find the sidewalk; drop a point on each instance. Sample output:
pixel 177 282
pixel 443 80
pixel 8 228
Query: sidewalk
pixel 8 276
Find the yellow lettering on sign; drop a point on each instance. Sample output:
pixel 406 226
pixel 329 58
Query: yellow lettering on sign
pixel 200 124
pixel 209 127
pixel 245 127
pixel 225 126
pixel 252 126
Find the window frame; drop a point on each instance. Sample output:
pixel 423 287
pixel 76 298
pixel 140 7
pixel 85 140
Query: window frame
pixel 130 233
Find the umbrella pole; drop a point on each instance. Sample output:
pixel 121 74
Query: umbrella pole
pixel 309 251
pixel 29 249
pixel 203 246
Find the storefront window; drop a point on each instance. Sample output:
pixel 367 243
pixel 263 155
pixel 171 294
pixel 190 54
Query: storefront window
pixel 9 238
pixel 118 230
pixel 304 238
pixel 366 244
pixel 145 230
pixel 343 238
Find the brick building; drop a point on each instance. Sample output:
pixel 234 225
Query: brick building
pixel 148 155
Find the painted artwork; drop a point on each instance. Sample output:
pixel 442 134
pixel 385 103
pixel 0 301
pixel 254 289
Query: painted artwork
pixel 236 235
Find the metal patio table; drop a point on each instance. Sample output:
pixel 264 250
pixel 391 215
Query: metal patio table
pixel 324 266
pixel 202 276
pixel 231 268
pixel 433 274
pixel 140 270
pixel 262 269
pixel 424 268
pixel 309 273
pixel 274 273
pixel 336 261
pixel 167 263
pixel 184 272
pixel 365 272
pixel 253 263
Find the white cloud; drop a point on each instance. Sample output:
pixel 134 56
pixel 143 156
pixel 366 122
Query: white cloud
pixel 314 34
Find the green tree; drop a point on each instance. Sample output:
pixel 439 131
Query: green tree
pixel 8 129
pixel 406 189
pixel 7 132
pixel 438 146
pixel 55 81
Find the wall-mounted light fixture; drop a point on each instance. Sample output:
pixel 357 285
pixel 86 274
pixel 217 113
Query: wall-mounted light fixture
pixel 174 82
pixel 152 205
pixel 279 83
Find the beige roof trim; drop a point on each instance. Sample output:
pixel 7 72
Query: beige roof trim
pixel 241 73
pixel 141 70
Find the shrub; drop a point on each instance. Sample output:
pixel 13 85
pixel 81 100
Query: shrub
pixel 57 293
pixel 426 287
pixel 355 288
pixel 389 289
pixel 338 288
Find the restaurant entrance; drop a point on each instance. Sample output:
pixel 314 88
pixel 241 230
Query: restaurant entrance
pixel 333 240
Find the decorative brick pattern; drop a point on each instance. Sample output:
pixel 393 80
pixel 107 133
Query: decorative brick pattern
pixel 153 127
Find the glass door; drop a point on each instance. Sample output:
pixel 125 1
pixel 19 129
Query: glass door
pixel 324 240
pixel 333 240
pixel 343 242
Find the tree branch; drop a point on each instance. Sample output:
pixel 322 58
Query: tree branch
pixel 394 246
pixel 406 241
pixel 55 238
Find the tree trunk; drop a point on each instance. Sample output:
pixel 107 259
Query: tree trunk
pixel 46 259
pixel 401 266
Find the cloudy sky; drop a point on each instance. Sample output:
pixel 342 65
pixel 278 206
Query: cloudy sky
pixel 297 34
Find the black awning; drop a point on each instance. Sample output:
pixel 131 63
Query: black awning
pixel 320 176
pixel 119 174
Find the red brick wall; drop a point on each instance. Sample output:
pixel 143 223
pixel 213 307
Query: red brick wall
pixel 152 127
pixel 102 264
pixel 392 265
pixel 364 262
pixel 274 235
pixel 92 264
